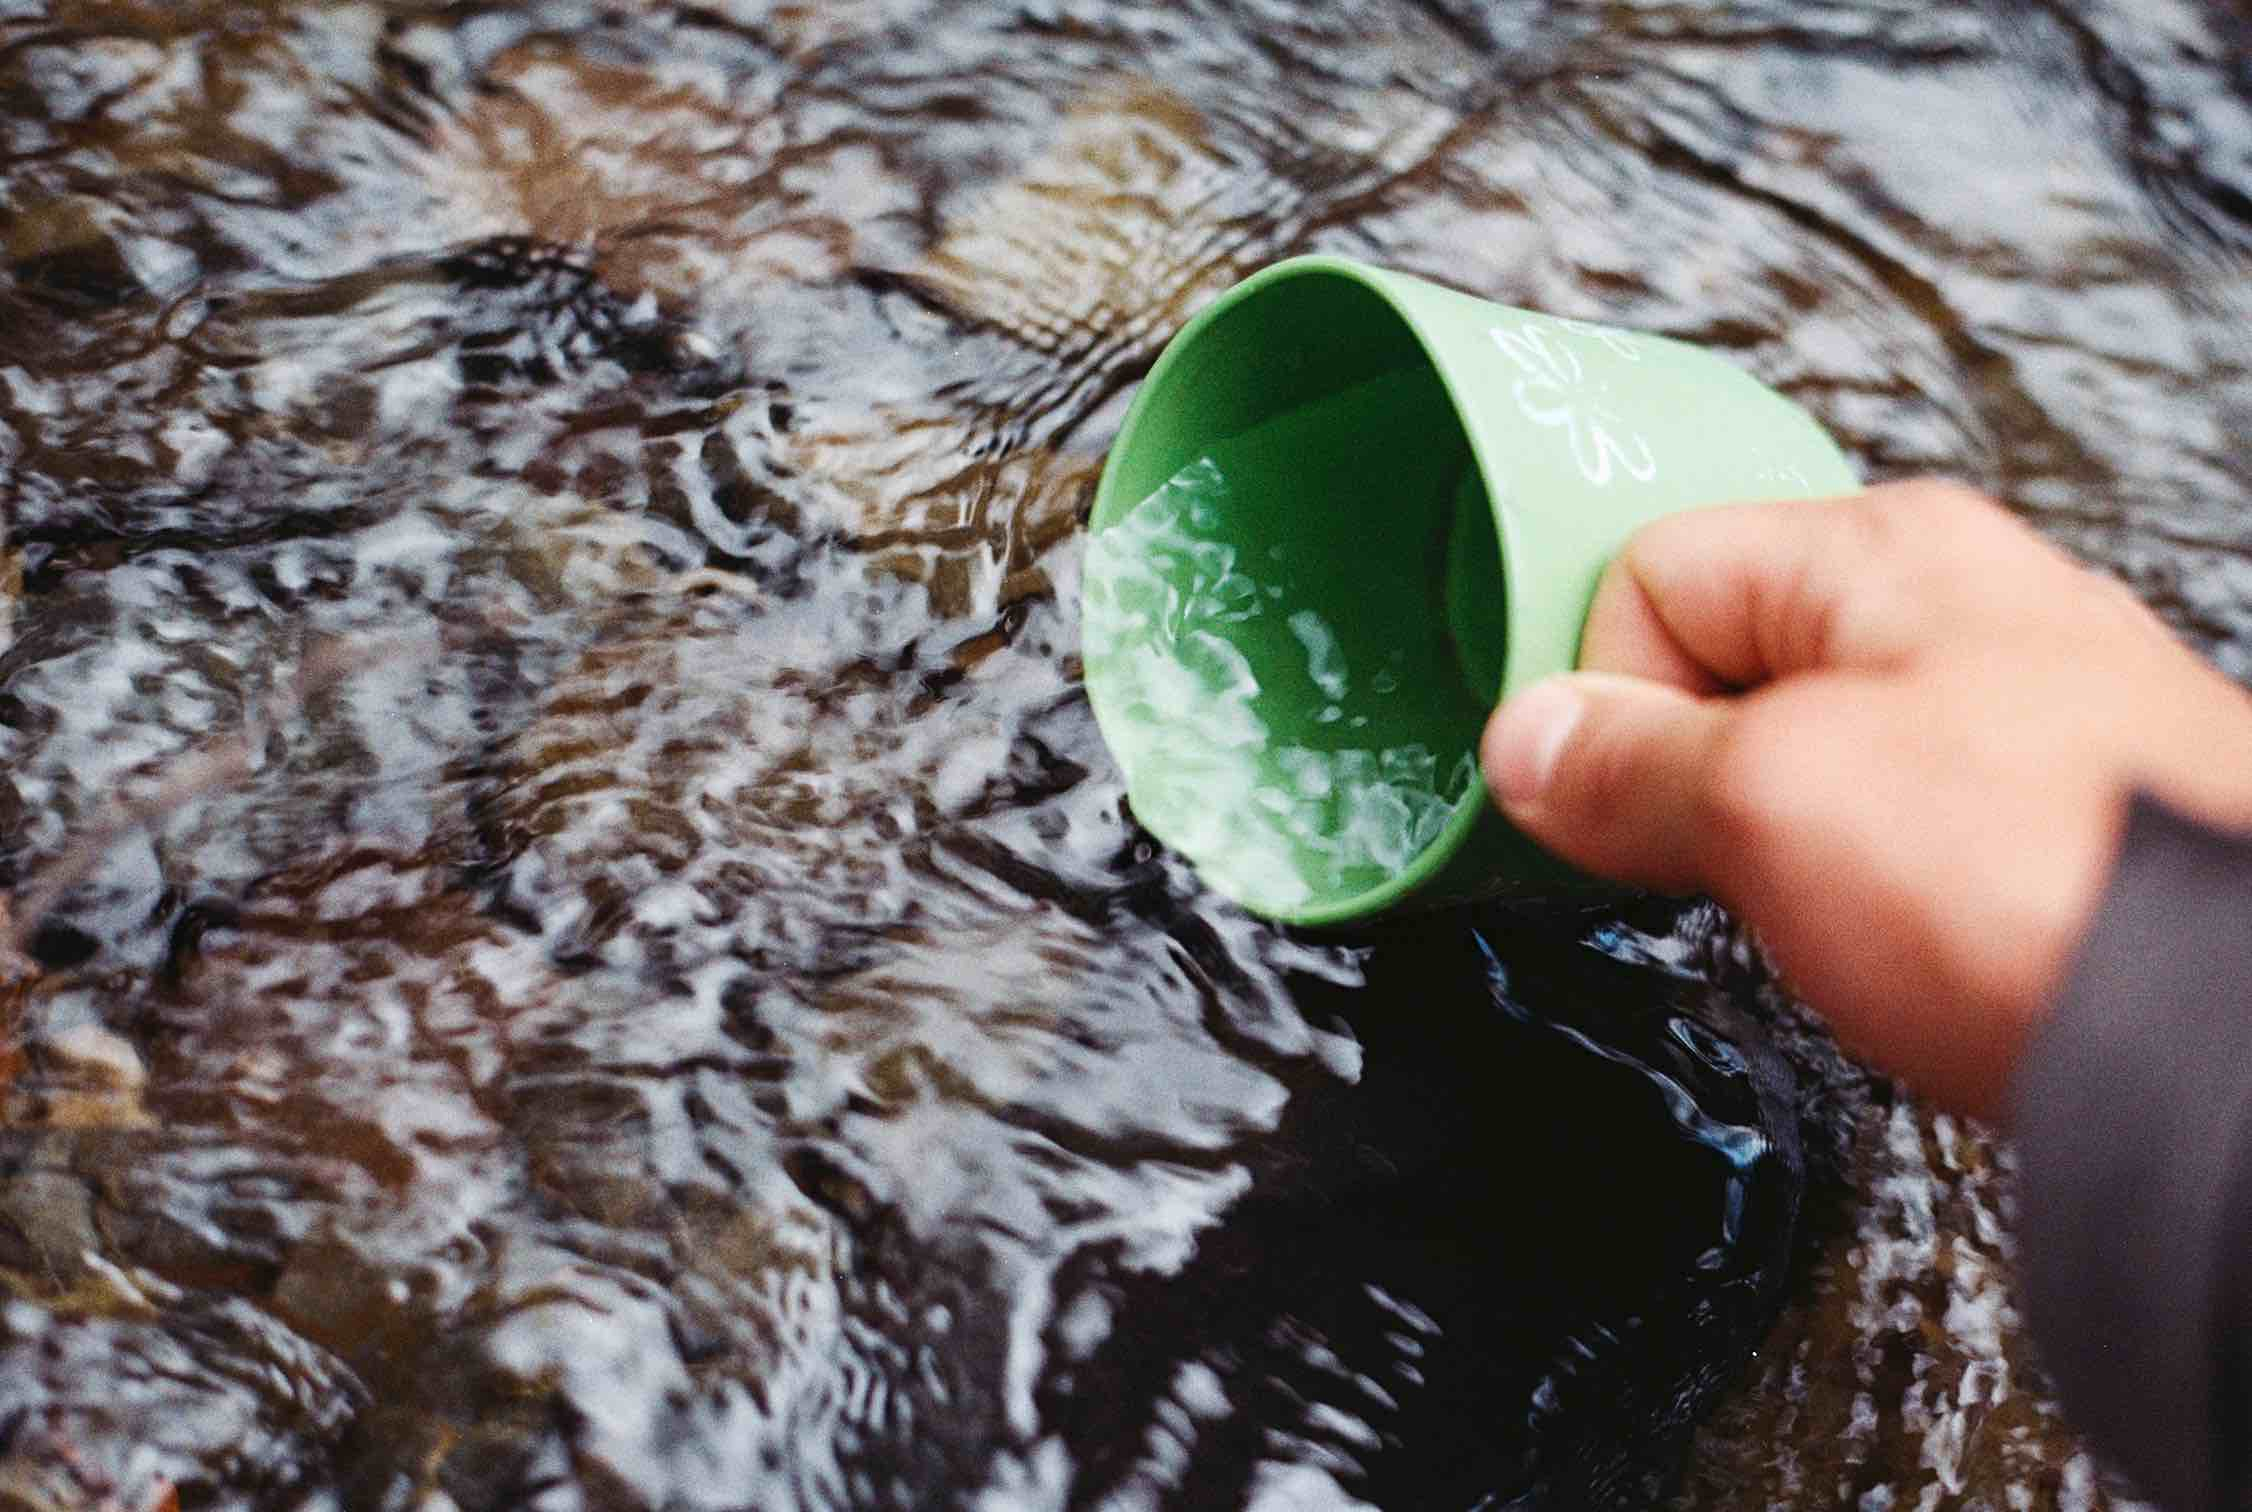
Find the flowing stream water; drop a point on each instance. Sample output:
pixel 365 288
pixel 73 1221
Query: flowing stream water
pixel 572 943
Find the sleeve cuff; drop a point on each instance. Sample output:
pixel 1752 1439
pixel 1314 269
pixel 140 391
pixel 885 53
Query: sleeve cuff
pixel 2132 1111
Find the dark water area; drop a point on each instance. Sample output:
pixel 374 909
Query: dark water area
pixel 572 943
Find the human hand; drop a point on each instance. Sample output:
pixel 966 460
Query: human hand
pixel 1897 733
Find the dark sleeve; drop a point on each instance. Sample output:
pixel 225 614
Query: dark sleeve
pixel 2134 1122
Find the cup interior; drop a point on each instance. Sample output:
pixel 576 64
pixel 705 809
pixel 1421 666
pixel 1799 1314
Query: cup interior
pixel 1295 624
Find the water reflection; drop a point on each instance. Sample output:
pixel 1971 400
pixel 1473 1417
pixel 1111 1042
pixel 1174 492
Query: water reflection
pixel 573 941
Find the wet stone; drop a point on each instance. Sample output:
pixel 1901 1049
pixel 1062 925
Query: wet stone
pixel 47 1223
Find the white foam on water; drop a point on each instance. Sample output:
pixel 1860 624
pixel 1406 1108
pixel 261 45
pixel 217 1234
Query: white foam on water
pixel 1325 662
pixel 1270 824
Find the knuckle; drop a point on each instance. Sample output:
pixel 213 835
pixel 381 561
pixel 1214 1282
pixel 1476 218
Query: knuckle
pixel 1931 552
pixel 1945 502
pixel 1926 516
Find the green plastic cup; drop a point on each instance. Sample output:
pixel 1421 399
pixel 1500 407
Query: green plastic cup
pixel 1347 514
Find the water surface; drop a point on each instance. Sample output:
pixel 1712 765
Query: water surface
pixel 576 945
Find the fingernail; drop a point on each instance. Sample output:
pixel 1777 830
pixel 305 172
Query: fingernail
pixel 1529 737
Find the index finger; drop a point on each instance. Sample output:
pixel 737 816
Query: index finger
pixel 1732 597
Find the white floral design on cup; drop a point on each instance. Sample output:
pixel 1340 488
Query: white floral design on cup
pixel 1618 343
pixel 1555 390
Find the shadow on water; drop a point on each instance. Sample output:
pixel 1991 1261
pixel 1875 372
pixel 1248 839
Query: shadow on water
pixel 571 942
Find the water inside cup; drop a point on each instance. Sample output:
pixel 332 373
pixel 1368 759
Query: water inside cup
pixel 1268 639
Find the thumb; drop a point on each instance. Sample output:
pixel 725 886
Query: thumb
pixel 1609 772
